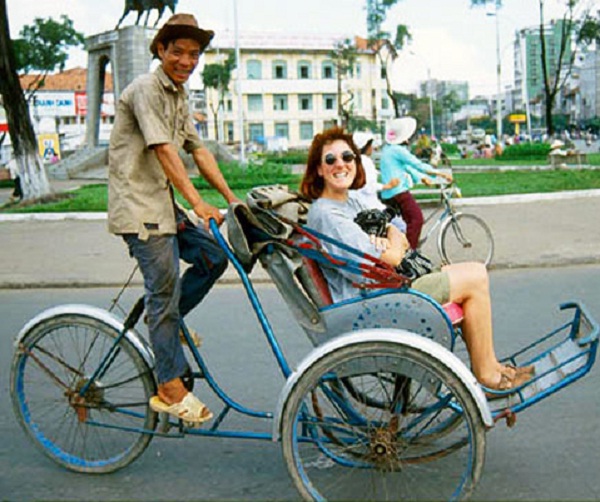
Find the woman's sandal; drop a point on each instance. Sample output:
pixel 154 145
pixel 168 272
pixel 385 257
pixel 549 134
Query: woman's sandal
pixel 189 409
pixel 507 383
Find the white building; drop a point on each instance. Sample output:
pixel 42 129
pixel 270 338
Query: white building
pixel 289 88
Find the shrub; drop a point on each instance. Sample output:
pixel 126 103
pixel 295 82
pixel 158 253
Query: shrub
pixel 526 151
pixel 450 149
pixel 253 175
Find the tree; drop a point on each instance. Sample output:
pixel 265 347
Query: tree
pixel 451 103
pixel 31 169
pixel 344 57
pixel 43 47
pixel 218 76
pixel 379 40
pixel 555 75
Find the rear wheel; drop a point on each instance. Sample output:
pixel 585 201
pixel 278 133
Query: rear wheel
pixel 418 436
pixel 101 430
pixel 466 237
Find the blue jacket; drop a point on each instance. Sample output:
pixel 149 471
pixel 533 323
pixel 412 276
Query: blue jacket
pixel 398 162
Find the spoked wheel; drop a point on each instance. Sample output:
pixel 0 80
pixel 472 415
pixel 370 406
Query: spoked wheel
pixel 418 436
pixel 100 431
pixel 466 237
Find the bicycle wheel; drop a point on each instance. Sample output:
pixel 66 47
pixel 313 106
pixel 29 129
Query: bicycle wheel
pixel 100 431
pixel 415 448
pixel 466 237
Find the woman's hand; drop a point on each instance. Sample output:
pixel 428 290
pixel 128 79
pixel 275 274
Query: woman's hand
pixel 394 182
pixel 380 243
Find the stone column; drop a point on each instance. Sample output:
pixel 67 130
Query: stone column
pixel 128 52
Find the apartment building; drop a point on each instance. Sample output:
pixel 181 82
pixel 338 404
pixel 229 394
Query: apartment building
pixel 289 88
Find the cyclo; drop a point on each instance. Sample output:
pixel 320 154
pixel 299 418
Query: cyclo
pixel 381 408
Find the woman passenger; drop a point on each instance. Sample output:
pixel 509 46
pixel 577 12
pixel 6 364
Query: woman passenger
pixel 333 173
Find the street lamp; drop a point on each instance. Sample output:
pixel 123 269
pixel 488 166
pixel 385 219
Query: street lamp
pixel 498 4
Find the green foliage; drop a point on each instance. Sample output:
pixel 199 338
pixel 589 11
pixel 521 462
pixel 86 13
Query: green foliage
pixel 253 175
pixel 44 44
pixel 218 75
pixel 450 149
pixel 292 157
pixel 526 151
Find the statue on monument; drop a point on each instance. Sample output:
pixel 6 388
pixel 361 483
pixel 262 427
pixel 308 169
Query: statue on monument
pixel 141 6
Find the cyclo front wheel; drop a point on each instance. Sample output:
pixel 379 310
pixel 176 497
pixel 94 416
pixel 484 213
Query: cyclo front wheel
pixel 465 237
pixel 100 431
pixel 338 446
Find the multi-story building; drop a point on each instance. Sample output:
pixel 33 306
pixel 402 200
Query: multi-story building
pixel 528 72
pixel 590 84
pixel 290 89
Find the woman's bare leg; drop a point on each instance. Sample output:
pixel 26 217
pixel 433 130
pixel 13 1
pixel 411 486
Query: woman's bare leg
pixel 469 286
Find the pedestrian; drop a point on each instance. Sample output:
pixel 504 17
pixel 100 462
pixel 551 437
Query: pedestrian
pixel 13 169
pixel 152 122
pixel 398 162
pixel 333 173
pixel 370 192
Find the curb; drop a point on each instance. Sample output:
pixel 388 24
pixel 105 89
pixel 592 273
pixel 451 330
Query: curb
pixel 471 201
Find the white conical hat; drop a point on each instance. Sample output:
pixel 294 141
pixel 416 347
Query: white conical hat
pixel 400 130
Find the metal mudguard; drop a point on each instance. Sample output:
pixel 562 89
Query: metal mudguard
pixel 401 337
pixel 105 317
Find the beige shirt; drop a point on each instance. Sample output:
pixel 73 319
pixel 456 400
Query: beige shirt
pixel 151 111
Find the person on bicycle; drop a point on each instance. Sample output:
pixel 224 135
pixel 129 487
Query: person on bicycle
pixel 152 123
pixel 370 192
pixel 333 173
pixel 398 163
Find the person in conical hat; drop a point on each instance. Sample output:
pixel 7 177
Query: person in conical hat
pixel 398 163
pixel 152 124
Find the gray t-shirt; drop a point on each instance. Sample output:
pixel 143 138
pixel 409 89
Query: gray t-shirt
pixel 336 220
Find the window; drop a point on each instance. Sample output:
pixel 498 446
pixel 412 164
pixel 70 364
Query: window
pixel 254 69
pixel 305 102
pixel 255 103
pixel 282 130
pixel 304 68
pixel 385 103
pixel 279 69
pixel 280 102
pixel 328 124
pixel 383 72
pixel 329 101
pixel 327 70
pixel 358 70
pixel 306 131
pixel 229 131
pixel 229 105
pixel 256 132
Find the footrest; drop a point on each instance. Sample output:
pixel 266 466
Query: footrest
pixel 559 358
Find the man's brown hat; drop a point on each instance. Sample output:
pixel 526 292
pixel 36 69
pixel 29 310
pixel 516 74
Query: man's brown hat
pixel 181 26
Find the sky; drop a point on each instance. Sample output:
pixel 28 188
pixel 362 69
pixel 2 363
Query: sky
pixel 450 39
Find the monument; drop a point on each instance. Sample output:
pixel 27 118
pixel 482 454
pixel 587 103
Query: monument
pixel 127 50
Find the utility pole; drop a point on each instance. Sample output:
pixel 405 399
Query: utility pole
pixel 238 86
pixel 430 85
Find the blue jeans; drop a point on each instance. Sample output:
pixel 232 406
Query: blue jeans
pixel 169 297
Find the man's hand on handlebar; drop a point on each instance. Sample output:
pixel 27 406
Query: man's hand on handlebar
pixel 205 212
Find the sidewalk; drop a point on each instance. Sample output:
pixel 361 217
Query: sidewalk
pixel 68 251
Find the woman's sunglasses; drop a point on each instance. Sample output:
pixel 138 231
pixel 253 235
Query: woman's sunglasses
pixel 347 156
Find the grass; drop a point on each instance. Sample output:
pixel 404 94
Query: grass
pixel 593 160
pixel 93 198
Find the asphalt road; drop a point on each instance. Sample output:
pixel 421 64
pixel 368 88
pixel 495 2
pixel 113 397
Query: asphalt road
pixel 551 454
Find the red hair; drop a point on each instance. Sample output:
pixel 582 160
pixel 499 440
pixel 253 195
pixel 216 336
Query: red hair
pixel 312 185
